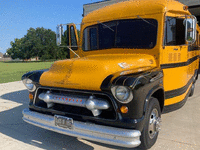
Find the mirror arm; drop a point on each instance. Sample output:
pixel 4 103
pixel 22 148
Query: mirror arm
pixel 71 50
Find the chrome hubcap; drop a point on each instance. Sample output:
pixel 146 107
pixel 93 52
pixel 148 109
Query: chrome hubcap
pixel 154 123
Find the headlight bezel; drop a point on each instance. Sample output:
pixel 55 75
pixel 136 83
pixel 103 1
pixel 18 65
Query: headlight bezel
pixel 29 84
pixel 127 99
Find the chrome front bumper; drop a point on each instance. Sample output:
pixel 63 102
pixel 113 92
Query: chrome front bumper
pixel 104 134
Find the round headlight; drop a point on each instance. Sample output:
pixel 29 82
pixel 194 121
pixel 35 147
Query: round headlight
pixel 122 93
pixel 29 84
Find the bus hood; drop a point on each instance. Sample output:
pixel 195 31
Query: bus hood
pixel 88 73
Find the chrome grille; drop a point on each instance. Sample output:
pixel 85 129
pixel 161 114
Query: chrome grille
pixel 74 102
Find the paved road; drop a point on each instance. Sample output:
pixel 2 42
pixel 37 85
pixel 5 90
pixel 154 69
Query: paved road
pixel 180 129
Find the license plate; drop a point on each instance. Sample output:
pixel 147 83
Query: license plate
pixel 63 122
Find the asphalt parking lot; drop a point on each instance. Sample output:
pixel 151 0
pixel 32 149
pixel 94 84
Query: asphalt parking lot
pixel 180 129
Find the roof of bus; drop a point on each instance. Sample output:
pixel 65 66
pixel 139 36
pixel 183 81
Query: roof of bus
pixel 132 8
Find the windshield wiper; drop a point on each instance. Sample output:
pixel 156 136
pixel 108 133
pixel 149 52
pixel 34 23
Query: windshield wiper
pixel 146 21
pixel 106 26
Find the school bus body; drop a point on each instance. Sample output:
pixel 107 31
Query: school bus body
pixel 178 63
pixel 166 71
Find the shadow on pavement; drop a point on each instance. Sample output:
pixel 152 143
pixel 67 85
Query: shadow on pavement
pixel 115 147
pixel 12 125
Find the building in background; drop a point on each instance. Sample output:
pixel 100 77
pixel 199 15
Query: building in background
pixel 1 55
pixel 5 57
pixel 194 7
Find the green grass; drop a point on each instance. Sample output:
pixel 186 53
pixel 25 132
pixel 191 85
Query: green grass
pixel 13 71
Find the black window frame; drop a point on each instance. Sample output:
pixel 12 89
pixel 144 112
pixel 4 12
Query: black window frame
pixel 73 38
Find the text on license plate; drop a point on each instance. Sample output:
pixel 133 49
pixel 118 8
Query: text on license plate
pixel 64 122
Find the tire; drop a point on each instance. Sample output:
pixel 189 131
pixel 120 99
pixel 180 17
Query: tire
pixel 192 90
pixel 152 124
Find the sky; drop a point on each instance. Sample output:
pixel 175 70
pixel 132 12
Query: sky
pixel 17 16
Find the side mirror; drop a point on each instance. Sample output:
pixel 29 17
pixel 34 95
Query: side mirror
pixel 66 36
pixel 190 29
pixel 59 34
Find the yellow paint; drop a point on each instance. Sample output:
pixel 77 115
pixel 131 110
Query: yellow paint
pixel 175 78
pixel 89 72
pixel 176 99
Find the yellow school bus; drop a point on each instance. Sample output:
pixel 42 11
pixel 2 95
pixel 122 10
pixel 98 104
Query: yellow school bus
pixel 134 60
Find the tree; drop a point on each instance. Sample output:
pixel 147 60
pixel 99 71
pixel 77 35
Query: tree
pixel 19 49
pixel 37 42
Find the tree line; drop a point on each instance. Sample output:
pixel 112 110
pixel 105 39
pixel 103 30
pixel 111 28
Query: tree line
pixel 37 43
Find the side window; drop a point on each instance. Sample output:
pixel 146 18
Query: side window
pixel 198 39
pixel 174 31
pixel 93 38
pixel 85 46
pixel 197 43
pixel 90 38
pixel 73 38
pixel 198 20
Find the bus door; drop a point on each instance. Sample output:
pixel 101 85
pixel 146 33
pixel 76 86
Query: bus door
pixel 174 58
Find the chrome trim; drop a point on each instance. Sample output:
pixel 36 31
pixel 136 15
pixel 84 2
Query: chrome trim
pixel 104 134
pixel 157 77
pixel 35 95
pixel 128 100
pixel 154 123
pixel 115 106
pixel 96 105
pixel 93 104
pixel 30 86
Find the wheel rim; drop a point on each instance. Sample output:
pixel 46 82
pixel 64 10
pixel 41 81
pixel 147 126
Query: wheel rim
pixel 193 87
pixel 154 123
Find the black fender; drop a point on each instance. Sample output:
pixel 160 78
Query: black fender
pixel 196 75
pixel 156 92
pixel 143 86
pixel 155 89
pixel 34 75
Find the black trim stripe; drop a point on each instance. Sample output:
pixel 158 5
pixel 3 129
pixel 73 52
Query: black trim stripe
pixel 175 65
pixel 194 6
pixel 192 48
pixel 176 106
pixel 178 92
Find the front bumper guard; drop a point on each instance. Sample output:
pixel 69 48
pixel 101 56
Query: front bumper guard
pixel 104 134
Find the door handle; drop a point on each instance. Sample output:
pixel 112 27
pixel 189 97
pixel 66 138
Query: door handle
pixel 175 49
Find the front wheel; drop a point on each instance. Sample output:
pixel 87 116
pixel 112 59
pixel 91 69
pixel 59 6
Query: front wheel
pixel 152 124
pixel 192 90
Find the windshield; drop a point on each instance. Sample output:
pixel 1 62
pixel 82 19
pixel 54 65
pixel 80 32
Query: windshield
pixel 135 33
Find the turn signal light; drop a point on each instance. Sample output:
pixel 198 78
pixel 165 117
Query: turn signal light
pixel 30 96
pixel 124 109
